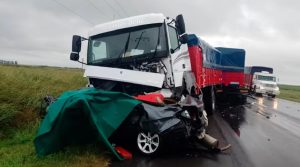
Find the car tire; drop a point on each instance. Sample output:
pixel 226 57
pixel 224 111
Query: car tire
pixel 148 143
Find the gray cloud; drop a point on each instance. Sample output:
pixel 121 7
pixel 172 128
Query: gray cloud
pixel 39 32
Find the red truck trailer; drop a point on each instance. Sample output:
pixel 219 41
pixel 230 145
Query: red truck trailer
pixel 219 72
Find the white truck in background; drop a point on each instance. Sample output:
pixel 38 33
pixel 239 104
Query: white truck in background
pixel 261 80
pixel 265 83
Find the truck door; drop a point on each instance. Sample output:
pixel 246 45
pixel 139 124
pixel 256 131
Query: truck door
pixel 179 56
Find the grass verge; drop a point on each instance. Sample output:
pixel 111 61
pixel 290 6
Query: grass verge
pixel 290 92
pixel 21 91
pixel 18 150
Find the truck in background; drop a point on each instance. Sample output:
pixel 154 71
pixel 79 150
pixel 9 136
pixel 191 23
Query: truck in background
pixel 261 80
pixel 153 53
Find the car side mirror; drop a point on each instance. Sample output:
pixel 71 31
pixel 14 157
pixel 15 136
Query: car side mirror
pixel 76 47
pixel 180 24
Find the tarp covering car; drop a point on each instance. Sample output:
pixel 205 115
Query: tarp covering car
pixel 82 116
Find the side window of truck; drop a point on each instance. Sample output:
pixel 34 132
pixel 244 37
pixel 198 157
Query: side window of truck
pixel 173 37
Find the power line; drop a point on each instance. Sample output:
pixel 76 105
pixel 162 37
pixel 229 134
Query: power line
pixel 97 9
pixel 70 10
pixel 112 8
pixel 120 6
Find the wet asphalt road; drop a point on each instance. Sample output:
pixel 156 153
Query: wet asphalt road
pixel 264 132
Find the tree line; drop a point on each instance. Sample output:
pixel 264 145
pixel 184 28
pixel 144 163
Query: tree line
pixel 8 62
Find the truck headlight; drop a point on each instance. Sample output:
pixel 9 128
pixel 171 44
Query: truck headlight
pixel 260 87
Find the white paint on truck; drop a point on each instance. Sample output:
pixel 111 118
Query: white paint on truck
pixel 134 21
pixel 175 63
pixel 123 75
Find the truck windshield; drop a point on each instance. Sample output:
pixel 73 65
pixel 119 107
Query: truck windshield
pixel 266 78
pixel 143 42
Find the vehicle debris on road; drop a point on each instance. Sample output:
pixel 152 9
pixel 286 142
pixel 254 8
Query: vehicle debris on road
pixel 93 115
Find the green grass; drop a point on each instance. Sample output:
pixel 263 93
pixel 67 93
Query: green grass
pixel 21 91
pixel 290 92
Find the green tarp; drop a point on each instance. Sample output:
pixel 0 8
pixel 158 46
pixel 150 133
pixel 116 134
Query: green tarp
pixel 82 116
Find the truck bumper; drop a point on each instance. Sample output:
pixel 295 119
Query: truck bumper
pixel 268 91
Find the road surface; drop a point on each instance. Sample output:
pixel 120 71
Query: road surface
pixel 264 132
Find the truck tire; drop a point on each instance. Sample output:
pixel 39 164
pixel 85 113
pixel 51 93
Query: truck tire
pixel 257 94
pixel 209 98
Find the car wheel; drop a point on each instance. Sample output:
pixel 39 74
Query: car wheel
pixel 148 143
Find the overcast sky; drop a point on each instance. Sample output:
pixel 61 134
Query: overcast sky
pixel 39 32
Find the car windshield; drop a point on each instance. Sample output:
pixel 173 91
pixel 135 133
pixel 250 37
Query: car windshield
pixel 266 78
pixel 149 41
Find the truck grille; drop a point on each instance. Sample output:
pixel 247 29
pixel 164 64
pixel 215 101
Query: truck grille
pixel 270 85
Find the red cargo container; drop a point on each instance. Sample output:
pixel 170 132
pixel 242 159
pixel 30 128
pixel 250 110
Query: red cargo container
pixel 216 70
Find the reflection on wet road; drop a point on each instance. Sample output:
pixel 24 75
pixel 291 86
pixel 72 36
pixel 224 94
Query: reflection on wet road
pixel 270 132
pixel 264 132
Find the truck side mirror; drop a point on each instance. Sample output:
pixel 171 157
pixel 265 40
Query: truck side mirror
pixel 180 24
pixel 76 47
pixel 74 56
pixel 76 43
pixel 183 39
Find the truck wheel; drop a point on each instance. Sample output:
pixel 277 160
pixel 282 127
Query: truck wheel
pixel 273 96
pixel 254 90
pixel 148 143
pixel 257 94
pixel 210 101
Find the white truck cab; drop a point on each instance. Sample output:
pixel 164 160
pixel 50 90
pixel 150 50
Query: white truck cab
pixel 265 83
pixel 149 50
